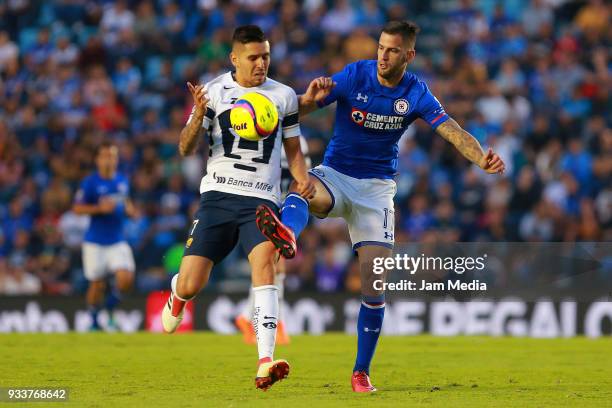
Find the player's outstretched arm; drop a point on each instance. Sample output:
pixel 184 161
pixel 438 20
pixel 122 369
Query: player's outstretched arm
pixel 318 89
pixel 470 148
pixel 298 168
pixel 191 132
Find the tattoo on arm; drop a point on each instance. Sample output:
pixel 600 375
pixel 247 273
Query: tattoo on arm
pixel 190 135
pixel 467 144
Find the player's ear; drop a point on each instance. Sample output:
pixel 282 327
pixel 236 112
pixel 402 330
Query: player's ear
pixel 410 54
pixel 234 59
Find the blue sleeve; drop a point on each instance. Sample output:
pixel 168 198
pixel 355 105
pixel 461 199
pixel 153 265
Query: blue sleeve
pixel 430 109
pixel 86 194
pixel 343 79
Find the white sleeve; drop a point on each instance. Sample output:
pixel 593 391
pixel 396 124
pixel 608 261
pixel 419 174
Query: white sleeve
pixel 291 122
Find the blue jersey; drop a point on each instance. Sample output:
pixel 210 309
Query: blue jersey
pixel 371 118
pixel 105 229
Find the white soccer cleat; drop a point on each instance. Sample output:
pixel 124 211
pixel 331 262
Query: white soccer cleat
pixel 170 322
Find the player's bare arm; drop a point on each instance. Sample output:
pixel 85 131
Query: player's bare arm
pixel 191 132
pixel 470 148
pixel 318 89
pixel 297 166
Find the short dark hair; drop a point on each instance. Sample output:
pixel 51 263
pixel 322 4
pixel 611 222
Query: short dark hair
pixel 247 34
pixel 407 29
pixel 107 144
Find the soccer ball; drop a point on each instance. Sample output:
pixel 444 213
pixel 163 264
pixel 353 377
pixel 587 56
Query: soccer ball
pixel 254 116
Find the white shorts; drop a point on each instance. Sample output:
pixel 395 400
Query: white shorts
pixel 100 260
pixel 365 204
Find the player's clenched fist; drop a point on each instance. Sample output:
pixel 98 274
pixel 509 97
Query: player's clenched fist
pixel 306 188
pixel 200 96
pixel 492 163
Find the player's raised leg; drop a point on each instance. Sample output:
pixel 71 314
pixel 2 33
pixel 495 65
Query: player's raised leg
pixel 265 315
pixel 371 314
pixel 294 217
pixel 192 277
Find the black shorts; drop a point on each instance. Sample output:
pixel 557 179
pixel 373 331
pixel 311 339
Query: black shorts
pixel 223 220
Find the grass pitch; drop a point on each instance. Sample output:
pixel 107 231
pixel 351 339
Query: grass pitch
pixel 207 370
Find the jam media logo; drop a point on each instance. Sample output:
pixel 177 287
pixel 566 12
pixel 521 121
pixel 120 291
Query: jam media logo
pixel 401 106
pixel 189 242
pixel 219 179
pixel 358 116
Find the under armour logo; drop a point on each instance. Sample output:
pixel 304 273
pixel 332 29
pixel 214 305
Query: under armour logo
pixel 365 329
pixel 388 235
pixel 361 97
pixel 219 179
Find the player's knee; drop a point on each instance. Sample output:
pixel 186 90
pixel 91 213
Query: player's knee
pixel 125 282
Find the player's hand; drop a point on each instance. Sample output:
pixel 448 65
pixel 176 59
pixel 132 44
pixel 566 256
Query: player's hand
pixel 106 206
pixel 319 88
pixel 492 163
pixel 306 188
pixel 200 97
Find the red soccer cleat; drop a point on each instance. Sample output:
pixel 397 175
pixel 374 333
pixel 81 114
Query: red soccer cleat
pixel 270 372
pixel 361 382
pixel 281 236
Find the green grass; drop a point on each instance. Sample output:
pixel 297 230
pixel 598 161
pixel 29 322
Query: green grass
pixel 207 370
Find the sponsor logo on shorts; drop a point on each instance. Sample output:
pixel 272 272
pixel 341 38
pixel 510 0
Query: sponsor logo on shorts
pixel 189 242
pixel 317 172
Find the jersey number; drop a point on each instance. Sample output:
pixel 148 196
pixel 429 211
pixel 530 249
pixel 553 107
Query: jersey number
pixel 228 138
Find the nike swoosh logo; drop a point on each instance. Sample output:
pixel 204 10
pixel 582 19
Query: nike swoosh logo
pixel 228 87
pixel 269 317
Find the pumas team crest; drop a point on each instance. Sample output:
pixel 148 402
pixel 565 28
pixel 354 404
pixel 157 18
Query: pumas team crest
pixel 401 106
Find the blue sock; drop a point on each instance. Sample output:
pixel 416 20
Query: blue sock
pixel 294 213
pixel 93 312
pixel 369 325
pixel 112 300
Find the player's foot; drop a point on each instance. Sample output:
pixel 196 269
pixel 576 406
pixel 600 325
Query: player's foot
pixel 111 326
pixel 95 328
pixel 246 327
pixel 170 322
pixel 282 337
pixel 280 235
pixel 270 372
pixel 361 382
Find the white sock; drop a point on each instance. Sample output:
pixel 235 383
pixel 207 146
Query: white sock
pixel 265 319
pixel 279 282
pixel 247 310
pixel 173 284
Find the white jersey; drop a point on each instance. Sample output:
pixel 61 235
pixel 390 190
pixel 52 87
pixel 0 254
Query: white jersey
pixel 236 165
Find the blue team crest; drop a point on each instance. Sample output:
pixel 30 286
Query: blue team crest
pixel 401 106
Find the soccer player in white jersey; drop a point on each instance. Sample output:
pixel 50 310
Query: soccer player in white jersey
pixel 240 176
pixel 376 102
pixel 243 320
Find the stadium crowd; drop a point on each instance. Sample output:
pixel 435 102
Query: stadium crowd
pixel 531 78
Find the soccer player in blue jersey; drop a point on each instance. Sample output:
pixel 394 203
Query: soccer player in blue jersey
pixel 376 101
pixel 104 196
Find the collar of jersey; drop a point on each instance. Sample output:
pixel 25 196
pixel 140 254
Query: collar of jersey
pixel 397 91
